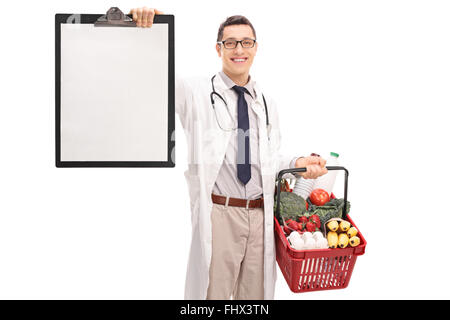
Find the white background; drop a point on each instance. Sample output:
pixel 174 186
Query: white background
pixel 367 79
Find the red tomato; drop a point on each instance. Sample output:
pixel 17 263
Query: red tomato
pixel 319 197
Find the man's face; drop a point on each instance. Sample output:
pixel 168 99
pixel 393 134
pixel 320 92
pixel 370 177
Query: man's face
pixel 229 63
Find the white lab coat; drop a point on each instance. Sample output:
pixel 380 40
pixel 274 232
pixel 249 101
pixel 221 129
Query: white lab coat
pixel 207 144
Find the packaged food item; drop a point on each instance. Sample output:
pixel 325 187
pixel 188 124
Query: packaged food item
pixel 354 241
pixel 342 240
pixel 352 232
pixel 332 238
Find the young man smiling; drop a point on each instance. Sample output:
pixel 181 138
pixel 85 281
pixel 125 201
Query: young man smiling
pixel 233 141
pixel 237 58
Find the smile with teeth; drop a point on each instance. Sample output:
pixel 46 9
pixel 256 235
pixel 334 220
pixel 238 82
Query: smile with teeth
pixel 238 60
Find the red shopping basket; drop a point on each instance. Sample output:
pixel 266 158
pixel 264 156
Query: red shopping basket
pixel 317 269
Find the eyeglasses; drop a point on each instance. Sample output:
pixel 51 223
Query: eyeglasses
pixel 232 44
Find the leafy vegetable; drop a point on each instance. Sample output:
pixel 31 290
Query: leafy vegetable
pixel 332 209
pixel 292 206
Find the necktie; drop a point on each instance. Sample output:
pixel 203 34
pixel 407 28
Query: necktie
pixel 243 137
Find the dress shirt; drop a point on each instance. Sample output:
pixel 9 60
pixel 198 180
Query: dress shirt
pixel 227 182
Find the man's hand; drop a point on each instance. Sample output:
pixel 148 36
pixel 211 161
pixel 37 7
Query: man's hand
pixel 144 16
pixel 315 167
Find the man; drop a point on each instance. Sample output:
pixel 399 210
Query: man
pixel 233 142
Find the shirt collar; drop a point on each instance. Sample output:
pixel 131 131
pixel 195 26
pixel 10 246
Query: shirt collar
pixel 230 83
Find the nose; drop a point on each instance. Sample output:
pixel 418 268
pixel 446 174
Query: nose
pixel 239 48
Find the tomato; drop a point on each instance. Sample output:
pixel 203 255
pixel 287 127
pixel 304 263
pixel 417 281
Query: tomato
pixel 319 197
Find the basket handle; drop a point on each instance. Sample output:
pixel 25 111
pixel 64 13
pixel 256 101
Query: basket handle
pixel 293 170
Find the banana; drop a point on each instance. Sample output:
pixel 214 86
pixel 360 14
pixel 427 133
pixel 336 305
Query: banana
pixel 354 241
pixel 344 226
pixel 332 238
pixel 343 240
pixel 333 225
pixel 352 232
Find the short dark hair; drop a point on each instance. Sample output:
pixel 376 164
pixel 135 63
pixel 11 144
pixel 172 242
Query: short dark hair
pixel 232 21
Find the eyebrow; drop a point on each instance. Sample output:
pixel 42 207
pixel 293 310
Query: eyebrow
pixel 246 38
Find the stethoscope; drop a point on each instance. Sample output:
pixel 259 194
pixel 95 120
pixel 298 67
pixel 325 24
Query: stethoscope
pixel 214 93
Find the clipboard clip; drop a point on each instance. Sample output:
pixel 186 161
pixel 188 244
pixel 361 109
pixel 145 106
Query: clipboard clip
pixel 114 17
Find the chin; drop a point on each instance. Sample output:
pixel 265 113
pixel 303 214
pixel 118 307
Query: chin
pixel 238 71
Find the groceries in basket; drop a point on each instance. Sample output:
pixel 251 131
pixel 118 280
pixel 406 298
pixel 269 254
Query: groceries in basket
pixel 307 240
pixel 341 233
pixel 304 258
pixel 298 220
pixel 299 216
pixel 299 210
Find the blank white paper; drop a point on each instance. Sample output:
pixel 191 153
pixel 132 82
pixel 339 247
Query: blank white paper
pixel 114 93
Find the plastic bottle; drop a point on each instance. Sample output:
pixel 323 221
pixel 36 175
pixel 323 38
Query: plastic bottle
pixel 326 182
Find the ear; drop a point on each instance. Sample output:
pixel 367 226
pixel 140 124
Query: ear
pixel 218 50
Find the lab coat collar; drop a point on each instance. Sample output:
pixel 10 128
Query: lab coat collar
pixel 221 88
pixel 230 83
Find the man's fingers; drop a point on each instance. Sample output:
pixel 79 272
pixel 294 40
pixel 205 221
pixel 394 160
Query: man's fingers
pixel 319 171
pixel 309 172
pixel 133 12
pixel 139 12
pixel 145 16
pixel 135 15
pixel 150 18
pixel 323 162
pixel 317 160
pixel 314 171
pixel 313 160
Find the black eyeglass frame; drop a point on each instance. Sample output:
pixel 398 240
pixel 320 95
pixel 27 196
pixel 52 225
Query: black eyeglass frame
pixel 237 42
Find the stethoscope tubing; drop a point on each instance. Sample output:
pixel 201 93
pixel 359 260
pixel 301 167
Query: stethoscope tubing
pixel 214 93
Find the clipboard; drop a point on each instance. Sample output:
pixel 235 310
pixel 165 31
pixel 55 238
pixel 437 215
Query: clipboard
pixel 114 91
